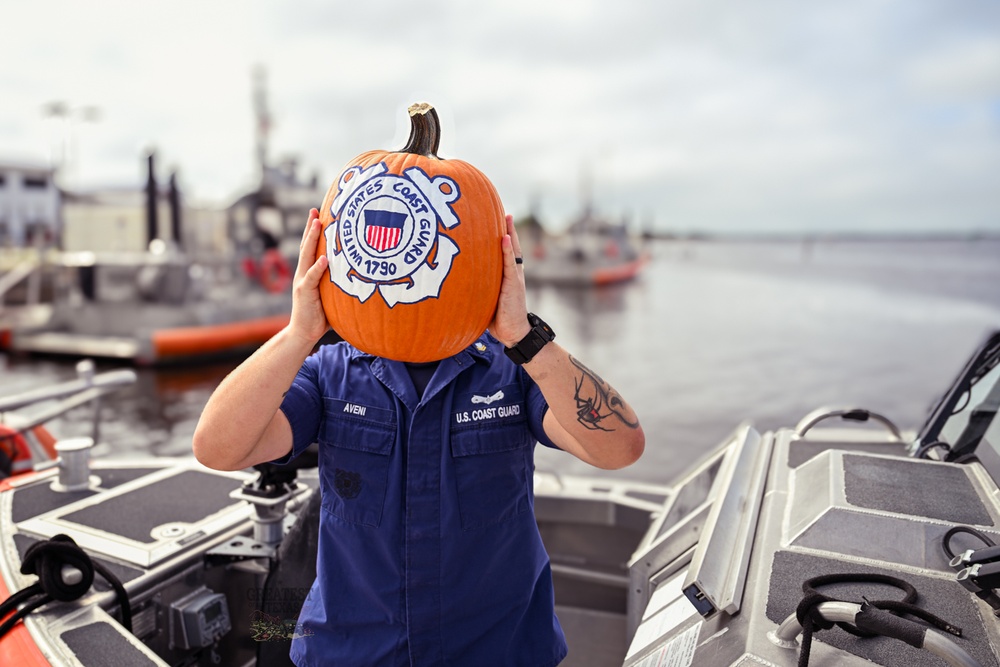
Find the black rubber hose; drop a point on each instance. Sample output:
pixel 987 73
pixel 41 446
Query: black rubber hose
pixel 946 540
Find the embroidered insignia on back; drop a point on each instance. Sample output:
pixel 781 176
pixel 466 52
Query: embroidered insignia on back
pixel 384 230
pixel 346 483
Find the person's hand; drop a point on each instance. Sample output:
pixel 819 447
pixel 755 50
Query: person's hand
pixel 308 319
pixel 510 324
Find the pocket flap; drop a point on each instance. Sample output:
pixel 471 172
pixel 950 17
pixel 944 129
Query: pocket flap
pixel 489 440
pixel 360 427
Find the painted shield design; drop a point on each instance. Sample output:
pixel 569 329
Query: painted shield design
pixel 386 229
pixel 383 229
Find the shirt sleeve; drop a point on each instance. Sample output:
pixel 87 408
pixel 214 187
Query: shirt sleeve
pixel 537 407
pixel 303 406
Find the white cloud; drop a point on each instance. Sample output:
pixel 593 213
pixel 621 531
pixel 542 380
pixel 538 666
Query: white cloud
pixel 966 70
pixel 712 114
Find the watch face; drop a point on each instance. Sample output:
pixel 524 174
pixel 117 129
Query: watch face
pixel 527 348
pixel 541 328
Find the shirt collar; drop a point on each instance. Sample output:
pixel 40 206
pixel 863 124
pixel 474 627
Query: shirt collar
pixel 393 375
pixel 481 350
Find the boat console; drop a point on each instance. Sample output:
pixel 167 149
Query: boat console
pixel 178 536
pixel 178 554
pixel 851 518
pixel 748 559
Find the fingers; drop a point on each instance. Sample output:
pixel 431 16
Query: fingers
pixel 515 242
pixel 310 239
pixel 313 213
pixel 509 258
pixel 316 270
pixel 511 251
pixel 511 313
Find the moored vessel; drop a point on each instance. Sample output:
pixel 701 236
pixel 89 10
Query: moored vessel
pixel 842 518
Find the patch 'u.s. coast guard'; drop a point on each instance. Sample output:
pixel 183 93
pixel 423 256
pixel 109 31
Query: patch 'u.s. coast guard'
pixel 385 227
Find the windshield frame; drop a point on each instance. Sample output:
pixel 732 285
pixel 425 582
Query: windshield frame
pixel 958 400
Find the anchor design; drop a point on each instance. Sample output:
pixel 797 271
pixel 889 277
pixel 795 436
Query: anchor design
pixel 384 231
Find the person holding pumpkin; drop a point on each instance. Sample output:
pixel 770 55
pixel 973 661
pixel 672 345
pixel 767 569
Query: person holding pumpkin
pixel 428 549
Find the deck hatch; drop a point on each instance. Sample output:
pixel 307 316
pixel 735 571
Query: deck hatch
pixel 916 488
pixel 188 497
pixel 149 519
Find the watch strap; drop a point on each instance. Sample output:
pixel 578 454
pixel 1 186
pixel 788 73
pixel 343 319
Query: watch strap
pixel 526 349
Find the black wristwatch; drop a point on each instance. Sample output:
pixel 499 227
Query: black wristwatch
pixel 540 334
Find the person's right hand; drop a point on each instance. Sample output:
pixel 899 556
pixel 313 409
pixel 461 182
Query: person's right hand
pixel 308 320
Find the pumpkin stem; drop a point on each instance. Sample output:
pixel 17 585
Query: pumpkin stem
pixel 425 131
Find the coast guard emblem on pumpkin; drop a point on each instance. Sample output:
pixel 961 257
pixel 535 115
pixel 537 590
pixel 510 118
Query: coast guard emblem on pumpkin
pixel 385 235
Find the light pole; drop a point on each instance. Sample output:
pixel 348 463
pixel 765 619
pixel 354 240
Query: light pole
pixel 69 150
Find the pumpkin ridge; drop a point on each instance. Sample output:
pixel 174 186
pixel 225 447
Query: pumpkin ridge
pixel 416 322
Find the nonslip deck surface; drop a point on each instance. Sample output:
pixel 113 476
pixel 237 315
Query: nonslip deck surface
pixel 945 598
pixel 100 645
pixel 800 451
pixel 37 499
pixel 187 497
pixel 915 488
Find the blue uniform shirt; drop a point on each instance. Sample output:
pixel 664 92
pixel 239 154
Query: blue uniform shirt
pixel 428 550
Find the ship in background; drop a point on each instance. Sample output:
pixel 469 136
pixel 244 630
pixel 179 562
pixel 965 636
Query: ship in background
pixel 592 252
pixel 138 275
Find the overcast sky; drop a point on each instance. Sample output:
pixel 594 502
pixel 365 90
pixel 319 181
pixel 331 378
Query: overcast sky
pixel 770 115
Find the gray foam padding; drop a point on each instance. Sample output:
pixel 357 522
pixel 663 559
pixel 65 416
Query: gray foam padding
pixel 37 499
pixel 100 645
pixel 918 488
pixel 944 598
pixel 187 497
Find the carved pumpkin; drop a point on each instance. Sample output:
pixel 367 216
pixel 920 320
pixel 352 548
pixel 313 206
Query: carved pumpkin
pixel 414 247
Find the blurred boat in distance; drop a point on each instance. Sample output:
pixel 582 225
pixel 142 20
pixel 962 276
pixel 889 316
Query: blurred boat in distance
pixel 592 252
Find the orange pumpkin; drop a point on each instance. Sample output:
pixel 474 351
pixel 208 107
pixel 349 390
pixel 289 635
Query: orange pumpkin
pixel 414 247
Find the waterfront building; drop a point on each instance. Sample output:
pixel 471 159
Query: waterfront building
pixel 29 205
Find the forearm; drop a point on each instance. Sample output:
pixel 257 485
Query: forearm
pixel 236 427
pixel 593 421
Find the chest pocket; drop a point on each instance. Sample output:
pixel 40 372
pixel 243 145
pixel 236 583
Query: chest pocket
pixel 355 464
pixel 492 459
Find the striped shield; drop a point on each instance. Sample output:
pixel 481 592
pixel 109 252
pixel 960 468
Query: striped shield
pixel 383 229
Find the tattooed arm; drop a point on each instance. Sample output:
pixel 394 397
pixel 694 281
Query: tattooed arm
pixel 596 400
pixel 586 416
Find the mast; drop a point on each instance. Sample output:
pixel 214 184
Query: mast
pixel 263 124
pixel 152 226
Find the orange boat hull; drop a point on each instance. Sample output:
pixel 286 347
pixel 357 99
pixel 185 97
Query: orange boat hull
pixel 194 341
pixel 17 647
pixel 620 273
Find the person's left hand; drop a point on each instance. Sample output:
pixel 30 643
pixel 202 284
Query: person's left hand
pixel 510 324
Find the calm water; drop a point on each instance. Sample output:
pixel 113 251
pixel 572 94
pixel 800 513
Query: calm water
pixel 713 334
